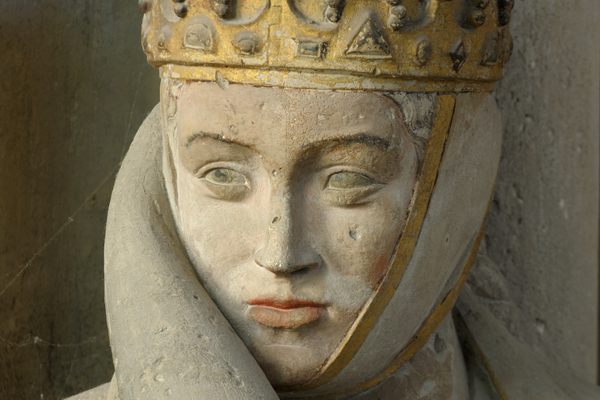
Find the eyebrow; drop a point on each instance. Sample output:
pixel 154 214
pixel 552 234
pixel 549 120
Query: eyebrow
pixel 360 138
pixel 214 136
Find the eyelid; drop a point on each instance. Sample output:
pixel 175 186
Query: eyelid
pixel 201 171
pixel 330 171
pixel 351 197
pixel 232 177
pixel 224 191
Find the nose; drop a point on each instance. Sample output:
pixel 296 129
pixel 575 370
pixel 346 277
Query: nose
pixel 285 251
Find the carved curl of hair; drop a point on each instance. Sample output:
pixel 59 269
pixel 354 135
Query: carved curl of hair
pixel 418 112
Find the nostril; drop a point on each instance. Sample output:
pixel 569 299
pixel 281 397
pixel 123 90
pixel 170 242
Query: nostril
pixel 304 269
pixel 275 220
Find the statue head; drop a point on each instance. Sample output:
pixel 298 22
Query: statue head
pixel 328 167
pixel 290 204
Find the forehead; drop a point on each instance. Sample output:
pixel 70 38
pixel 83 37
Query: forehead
pixel 261 115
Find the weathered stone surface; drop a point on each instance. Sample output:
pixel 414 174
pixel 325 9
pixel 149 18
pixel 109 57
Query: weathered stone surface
pixel 543 231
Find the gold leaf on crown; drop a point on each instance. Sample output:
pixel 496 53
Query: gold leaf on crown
pixel 408 45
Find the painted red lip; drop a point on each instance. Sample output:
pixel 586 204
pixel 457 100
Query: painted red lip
pixel 287 314
pixel 284 305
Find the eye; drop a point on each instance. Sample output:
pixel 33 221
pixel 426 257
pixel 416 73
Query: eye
pixel 347 188
pixel 348 180
pixel 226 184
pixel 225 176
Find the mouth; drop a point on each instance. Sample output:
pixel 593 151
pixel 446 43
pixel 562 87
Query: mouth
pixel 287 314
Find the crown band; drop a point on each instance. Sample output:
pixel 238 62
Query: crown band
pixel 319 80
pixel 411 45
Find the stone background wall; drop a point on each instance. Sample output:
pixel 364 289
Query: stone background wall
pixel 75 87
pixel 543 231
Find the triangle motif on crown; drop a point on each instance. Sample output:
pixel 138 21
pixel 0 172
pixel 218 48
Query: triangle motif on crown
pixel 368 42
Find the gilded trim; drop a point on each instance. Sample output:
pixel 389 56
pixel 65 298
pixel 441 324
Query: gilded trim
pixel 298 79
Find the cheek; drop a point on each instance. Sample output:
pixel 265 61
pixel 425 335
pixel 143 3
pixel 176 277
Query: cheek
pixel 360 242
pixel 219 235
pixel 356 246
pixel 378 269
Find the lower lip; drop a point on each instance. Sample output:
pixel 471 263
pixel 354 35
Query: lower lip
pixel 284 318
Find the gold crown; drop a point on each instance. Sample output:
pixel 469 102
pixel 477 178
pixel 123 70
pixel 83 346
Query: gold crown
pixel 404 45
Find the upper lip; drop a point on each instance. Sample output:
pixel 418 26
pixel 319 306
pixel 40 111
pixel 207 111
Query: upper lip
pixel 285 304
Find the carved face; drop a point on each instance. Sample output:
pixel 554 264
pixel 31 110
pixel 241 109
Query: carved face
pixel 290 204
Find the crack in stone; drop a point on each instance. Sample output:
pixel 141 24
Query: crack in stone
pixel 23 268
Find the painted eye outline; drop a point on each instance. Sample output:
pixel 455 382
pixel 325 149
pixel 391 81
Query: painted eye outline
pixel 351 196
pixel 330 172
pixel 235 191
pixel 236 174
pixel 370 181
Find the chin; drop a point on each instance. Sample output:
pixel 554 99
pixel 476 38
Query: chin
pixel 288 365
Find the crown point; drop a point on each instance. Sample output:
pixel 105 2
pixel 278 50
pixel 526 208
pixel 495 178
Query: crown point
pixel 331 14
pixel 476 18
pixel 220 7
pixel 180 9
pixel 458 56
pixel 333 11
pixel 399 11
pixel 397 17
pixel 504 11
pixel 474 14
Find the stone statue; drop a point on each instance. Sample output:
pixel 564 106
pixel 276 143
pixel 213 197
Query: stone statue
pixel 298 216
